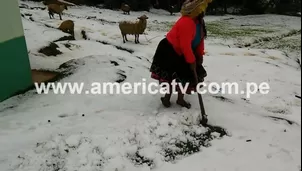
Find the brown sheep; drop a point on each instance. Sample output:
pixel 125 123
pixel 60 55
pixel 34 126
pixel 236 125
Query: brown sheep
pixel 125 8
pixel 133 28
pixel 56 9
pixel 67 26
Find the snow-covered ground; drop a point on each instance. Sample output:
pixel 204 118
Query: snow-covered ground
pixel 134 132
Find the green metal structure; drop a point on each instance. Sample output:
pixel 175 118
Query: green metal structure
pixel 15 69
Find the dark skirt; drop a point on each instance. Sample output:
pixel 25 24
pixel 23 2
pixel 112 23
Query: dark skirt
pixel 167 66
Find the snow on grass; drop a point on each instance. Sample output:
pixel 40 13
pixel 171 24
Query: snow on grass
pixel 116 132
pixel 258 31
pixel 145 147
pixel 268 20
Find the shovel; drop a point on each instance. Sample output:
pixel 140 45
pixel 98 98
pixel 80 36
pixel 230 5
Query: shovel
pixel 203 120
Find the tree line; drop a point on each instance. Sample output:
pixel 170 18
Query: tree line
pixel 217 7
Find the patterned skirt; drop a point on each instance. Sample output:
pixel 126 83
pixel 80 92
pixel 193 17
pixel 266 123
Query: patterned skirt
pixel 167 66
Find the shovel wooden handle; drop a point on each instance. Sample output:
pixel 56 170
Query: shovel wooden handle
pixel 202 110
pixel 201 105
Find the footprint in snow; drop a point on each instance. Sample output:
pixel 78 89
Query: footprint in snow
pixel 277 110
pixel 224 99
pixel 114 63
pixel 228 54
pixel 63 115
pixel 283 119
pixel 122 77
pixel 249 54
pixel 122 59
pixel 273 64
pixel 246 100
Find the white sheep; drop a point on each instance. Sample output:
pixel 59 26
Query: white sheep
pixel 133 28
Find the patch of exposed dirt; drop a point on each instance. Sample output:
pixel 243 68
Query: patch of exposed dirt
pixel 39 76
pixel 65 38
pixel 50 50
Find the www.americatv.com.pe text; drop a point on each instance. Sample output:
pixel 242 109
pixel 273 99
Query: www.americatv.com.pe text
pixel 98 88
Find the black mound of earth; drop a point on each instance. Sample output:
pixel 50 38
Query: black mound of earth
pixel 114 63
pixel 50 50
pixel 65 38
pixel 67 45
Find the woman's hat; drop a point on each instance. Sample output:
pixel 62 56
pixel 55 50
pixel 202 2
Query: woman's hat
pixel 193 8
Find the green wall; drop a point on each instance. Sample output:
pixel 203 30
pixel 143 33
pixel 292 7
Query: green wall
pixel 14 62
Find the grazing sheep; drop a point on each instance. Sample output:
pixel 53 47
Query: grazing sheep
pixel 56 9
pixel 67 26
pixel 133 28
pixel 125 8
